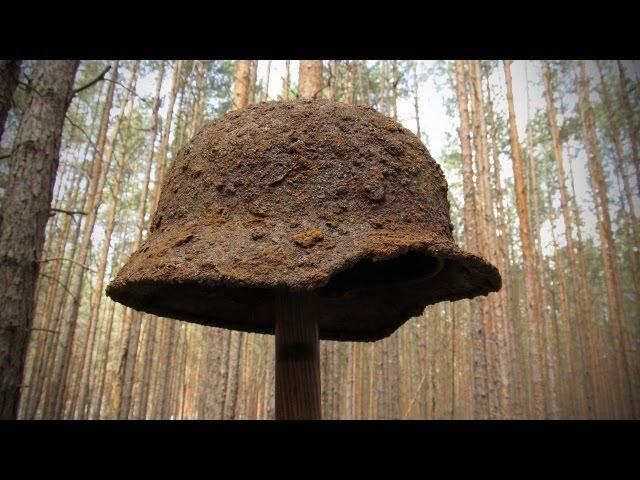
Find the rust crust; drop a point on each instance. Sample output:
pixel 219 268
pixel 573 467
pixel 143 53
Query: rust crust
pixel 318 196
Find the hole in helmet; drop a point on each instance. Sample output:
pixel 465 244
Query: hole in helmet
pixel 366 274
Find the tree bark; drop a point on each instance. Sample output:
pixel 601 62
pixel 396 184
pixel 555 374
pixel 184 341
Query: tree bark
pixel 32 173
pixel 310 80
pixel 241 84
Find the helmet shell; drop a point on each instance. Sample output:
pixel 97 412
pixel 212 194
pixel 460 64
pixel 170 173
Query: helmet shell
pixel 331 199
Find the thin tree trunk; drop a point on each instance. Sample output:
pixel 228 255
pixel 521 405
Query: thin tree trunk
pixel 569 325
pixel 494 317
pixel 96 180
pixel 287 80
pixel 92 207
pixel 253 81
pixel 133 319
pixel 541 294
pixel 265 89
pixel 333 79
pixel 416 96
pixel 395 77
pixel 502 259
pixel 480 382
pixel 384 105
pixel 97 293
pixel 630 217
pixel 626 361
pixel 532 310
pixel 628 115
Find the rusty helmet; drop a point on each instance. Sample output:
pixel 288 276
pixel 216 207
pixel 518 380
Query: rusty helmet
pixel 306 195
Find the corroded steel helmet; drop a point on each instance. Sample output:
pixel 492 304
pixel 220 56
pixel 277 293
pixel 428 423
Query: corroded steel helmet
pixel 335 200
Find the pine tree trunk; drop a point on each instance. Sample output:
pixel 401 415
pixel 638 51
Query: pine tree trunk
pixel 494 315
pixel 632 131
pixel 241 84
pixel 46 347
pixel 630 215
pixel 333 79
pixel 384 106
pixel 502 259
pixel 310 80
pixel 93 204
pixel 480 381
pixel 416 96
pixel 32 172
pixel 287 80
pixel 253 78
pixel 97 177
pixel 570 249
pixel 395 77
pixel 265 88
pixel 132 319
pixel 627 361
pixel 140 228
pixel 166 130
pixel 97 289
pixel 532 310
pixel 541 294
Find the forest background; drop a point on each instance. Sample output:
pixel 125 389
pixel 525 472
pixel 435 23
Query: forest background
pixel 543 168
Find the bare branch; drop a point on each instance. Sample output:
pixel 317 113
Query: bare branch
pixel 68 212
pixel 82 130
pixel 142 99
pixel 45 330
pixel 67 260
pixel 61 284
pixel 92 82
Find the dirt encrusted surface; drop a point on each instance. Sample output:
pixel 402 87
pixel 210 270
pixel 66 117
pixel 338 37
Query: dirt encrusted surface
pixel 312 196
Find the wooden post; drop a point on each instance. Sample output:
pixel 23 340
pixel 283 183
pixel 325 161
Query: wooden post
pixel 297 358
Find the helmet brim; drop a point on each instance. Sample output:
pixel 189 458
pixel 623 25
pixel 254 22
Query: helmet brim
pixel 224 274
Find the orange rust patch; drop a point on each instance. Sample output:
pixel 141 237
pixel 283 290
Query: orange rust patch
pixel 309 238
